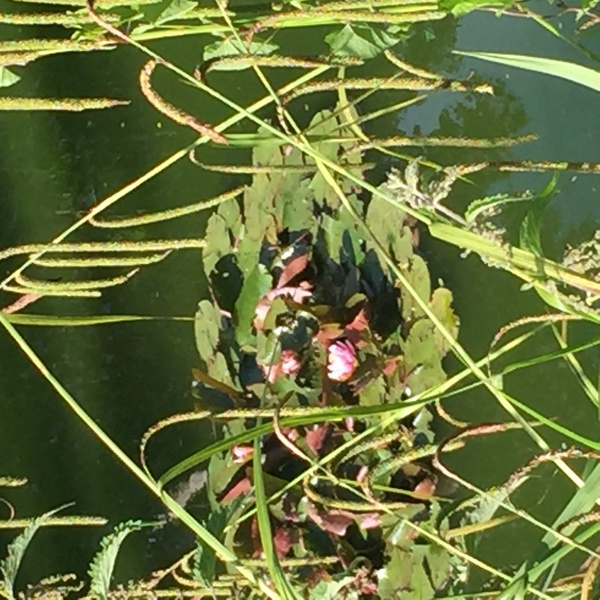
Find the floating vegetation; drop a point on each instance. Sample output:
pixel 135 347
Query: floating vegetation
pixel 322 337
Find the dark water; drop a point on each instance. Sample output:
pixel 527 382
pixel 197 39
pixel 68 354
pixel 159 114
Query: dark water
pixel 128 376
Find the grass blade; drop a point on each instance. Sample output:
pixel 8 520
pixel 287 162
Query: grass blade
pixel 574 72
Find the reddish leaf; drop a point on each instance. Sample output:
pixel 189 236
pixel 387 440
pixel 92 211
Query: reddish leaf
pixel 390 365
pixel 241 487
pixel 358 325
pixel 293 268
pixel 315 438
pixel 242 453
pixel 370 521
pixel 297 294
pixel 284 539
pixel 425 489
pixel 334 521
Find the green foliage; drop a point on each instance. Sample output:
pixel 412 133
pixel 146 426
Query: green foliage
pixel 9 567
pixel 307 281
pixel 462 7
pixel 364 41
pixel 570 71
pixel 103 563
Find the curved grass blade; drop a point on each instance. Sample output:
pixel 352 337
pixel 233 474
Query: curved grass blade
pixel 205 536
pixel 165 215
pixel 570 71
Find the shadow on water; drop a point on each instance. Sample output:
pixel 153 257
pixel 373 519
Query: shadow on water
pixel 128 376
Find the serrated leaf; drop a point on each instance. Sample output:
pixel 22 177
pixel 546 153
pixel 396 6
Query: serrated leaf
pixel 9 567
pixel 531 225
pixel 479 207
pixel 103 564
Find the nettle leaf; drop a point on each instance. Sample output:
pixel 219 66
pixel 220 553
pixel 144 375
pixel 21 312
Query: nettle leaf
pixel 256 285
pixel 206 329
pixel 234 47
pixel 363 41
pixel 103 564
pixel 490 205
pixel 9 567
pixel 7 77
pixel 530 233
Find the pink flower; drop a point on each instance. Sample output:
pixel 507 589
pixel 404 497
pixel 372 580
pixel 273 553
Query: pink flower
pixel 290 362
pixel 341 361
pixel 242 453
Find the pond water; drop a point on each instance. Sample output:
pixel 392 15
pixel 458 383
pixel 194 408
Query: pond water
pixel 128 376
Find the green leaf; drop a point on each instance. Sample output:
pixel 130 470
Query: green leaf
pixel 391 234
pixel 441 305
pixel 9 567
pixel 362 41
pixel 255 286
pixel 176 10
pixel 419 279
pixel 7 77
pixel 204 567
pixel 217 240
pixel 206 329
pixel 478 209
pixel 233 47
pixel 103 564
pixel 531 226
pixel 574 72
pixel 462 7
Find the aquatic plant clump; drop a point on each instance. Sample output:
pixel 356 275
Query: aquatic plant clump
pixel 305 318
